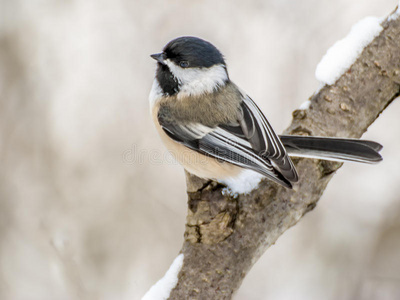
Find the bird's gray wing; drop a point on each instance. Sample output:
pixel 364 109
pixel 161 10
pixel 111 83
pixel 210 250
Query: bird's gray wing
pixel 220 143
pixel 254 127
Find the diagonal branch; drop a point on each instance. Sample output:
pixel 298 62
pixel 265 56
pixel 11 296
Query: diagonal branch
pixel 225 236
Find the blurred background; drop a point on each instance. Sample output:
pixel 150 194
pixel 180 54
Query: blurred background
pixel 92 206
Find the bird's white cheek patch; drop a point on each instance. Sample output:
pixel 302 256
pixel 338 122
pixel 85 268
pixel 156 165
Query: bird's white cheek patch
pixel 198 81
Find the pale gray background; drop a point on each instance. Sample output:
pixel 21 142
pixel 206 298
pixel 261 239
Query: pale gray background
pixel 91 206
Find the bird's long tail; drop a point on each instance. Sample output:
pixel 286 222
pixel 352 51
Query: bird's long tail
pixel 336 149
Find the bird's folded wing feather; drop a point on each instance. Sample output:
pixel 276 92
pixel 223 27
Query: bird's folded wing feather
pixel 239 145
pixel 255 128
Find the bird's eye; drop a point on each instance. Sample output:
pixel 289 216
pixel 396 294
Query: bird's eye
pixel 184 64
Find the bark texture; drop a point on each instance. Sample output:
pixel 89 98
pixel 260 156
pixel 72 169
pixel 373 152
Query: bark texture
pixel 225 236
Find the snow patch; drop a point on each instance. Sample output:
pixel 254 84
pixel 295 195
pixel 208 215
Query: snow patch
pixel 163 287
pixel 339 58
pixel 305 105
pixel 244 183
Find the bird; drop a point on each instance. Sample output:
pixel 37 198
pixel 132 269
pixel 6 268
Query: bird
pixel 216 131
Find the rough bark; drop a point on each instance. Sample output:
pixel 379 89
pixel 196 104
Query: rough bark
pixel 225 236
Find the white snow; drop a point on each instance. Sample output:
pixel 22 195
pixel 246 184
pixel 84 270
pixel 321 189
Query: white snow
pixel 244 183
pixel 305 105
pixel 339 58
pixel 163 287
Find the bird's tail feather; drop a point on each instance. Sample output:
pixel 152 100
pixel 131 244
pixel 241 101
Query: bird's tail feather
pixel 336 149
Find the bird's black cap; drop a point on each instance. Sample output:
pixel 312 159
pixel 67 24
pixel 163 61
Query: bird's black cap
pixel 197 52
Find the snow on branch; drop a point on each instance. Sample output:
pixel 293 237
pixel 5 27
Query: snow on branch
pixel 344 52
pixel 162 288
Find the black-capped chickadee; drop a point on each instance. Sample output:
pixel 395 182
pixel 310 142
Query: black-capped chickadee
pixel 216 131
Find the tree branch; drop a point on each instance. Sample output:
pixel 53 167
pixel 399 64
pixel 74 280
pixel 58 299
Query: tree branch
pixel 225 236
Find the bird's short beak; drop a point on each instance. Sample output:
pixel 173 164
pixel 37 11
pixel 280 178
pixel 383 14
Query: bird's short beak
pixel 159 57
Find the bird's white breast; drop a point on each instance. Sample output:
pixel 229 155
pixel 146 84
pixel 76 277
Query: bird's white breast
pixel 155 93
